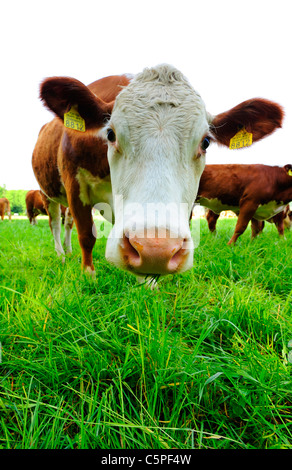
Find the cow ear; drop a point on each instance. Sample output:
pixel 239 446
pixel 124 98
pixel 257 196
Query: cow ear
pixel 288 169
pixel 60 94
pixel 257 116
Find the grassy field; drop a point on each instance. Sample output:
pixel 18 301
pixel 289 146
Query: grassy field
pixel 203 363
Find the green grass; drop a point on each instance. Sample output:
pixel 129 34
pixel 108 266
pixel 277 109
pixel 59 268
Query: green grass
pixel 202 363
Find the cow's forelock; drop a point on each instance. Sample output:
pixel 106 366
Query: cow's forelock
pixel 157 98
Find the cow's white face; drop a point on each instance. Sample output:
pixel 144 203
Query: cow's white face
pixel 157 137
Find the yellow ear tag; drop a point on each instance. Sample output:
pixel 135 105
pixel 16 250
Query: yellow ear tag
pixel 73 120
pixel 289 172
pixel 241 139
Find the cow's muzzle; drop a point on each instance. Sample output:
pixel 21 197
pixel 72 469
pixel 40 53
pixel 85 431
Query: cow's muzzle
pixel 165 255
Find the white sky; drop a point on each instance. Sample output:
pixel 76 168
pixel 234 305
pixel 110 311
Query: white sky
pixel 230 51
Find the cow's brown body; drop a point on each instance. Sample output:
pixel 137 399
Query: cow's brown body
pixel 61 152
pixel 254 192
pixel 4 208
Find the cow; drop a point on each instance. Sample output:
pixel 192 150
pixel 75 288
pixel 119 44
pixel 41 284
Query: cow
pixel 135 145
pixel 36 203
pixel 282 221
pixel 4 207
pixel 287 216
pixel 254 192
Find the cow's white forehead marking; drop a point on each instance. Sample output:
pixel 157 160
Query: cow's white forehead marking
pixel 158 85
pixel 159 99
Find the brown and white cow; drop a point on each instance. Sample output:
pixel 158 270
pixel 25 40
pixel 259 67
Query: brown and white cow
pixel 254 192
pixel 143 153
pixel 36 203
pixel 282 221
pixel 4 207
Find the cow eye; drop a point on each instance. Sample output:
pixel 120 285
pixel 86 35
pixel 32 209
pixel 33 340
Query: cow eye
pixel 111 136
pixel 205 143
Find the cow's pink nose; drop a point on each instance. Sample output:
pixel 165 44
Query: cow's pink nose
pixel 153 255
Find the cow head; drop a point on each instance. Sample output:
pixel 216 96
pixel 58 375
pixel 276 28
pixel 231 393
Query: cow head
pixel 157 135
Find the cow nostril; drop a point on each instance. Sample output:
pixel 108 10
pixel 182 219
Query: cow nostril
pixel 175 260
pixel 130 253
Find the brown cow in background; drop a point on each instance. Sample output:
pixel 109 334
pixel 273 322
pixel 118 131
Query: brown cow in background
pixel 4 207
pixel 253 192
pixel 36 203
pixel 283 220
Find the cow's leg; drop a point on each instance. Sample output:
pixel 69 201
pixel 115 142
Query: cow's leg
pixel 30 214
pixel 212 220
pixel 54 212
pixel 279 222
pixel 257 227
pixel 280 227
pixel 246 212
pixel 33 219
pixel 84 224
pixel 68 224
